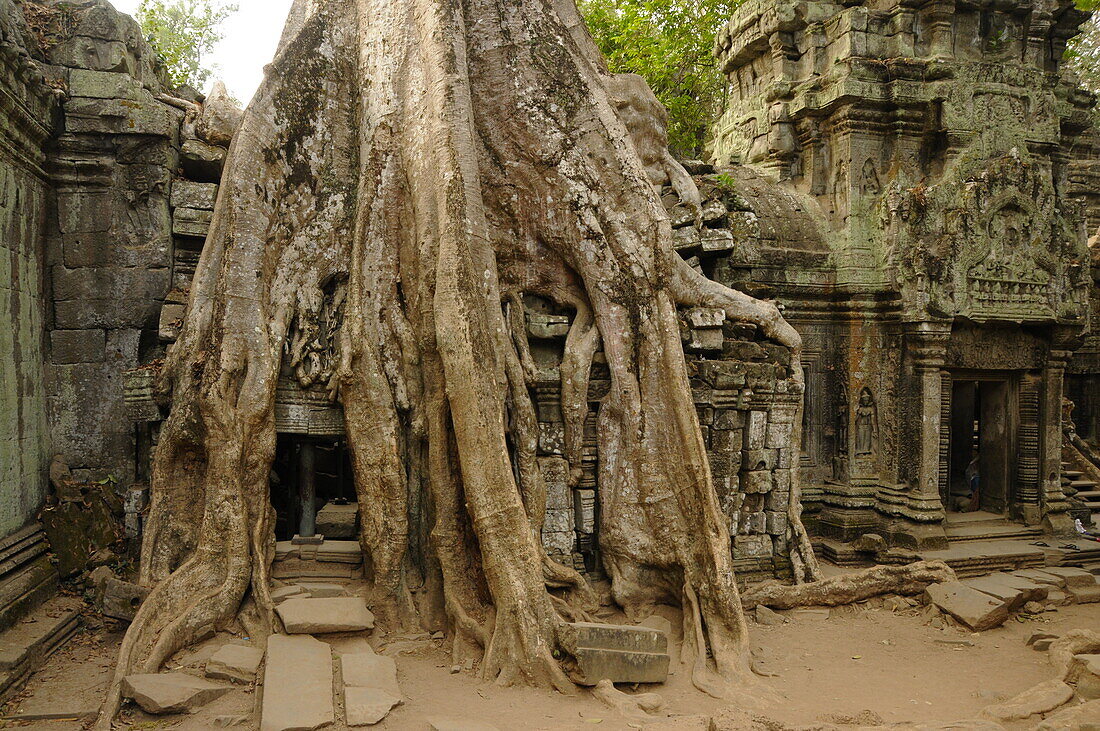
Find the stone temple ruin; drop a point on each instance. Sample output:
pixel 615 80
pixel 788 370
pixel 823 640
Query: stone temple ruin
pixel 915 181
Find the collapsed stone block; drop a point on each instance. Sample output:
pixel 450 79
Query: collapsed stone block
pixel 315 616
pixel 619 653
pixel 338 521
pixel 974 609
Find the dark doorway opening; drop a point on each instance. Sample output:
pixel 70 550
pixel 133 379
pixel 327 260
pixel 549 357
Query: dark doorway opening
pixel 308 472
pixel 982 449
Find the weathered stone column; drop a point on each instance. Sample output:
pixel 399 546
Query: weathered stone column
pixel 307 491
pixel 1053 501
pixel 928 344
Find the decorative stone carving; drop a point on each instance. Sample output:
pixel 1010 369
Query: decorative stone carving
pixel 866 424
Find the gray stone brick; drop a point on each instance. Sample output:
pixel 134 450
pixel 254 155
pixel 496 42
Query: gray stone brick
pixel 191 222
pixel 90 283
pixel 777 500
pixel 756 481
pixel 776 523
pixel 85 212
pixel 555 473
pixel 186 194
pixel 77 346
pixel 778 435
pixel 756 430
pixel 728 419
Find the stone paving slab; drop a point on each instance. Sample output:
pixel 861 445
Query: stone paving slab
pixel 236 663
pixel 297 684
pixel 367 670
pixel 367 706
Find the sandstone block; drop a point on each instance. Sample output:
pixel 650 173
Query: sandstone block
pixel 1084 594
pixel 191 222
pixel 321 590
pixel 338 614
pixel 119 599
pixel 160 693
pixel 202 162
pixel 1012 596
pixel 974 609
pixel 728 419
pixel 286 592
pixel 756 481
pixel 1073 577
pixel 622 654
pixel 104 85
pixel 77 346
pixel 367 706
pixel 220 117
pixel 756 431
pixel 555 473
pixel 338 521
pixel 237 663
pixel 121 117
pixel 186 194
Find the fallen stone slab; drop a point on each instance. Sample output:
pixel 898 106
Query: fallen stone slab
pixel 367 670
pixel 450 723
pixel 236 663
pixel 367 706
pixel 1013 597
pixel 297 684
pixel 1040 576
pixel 978 611
pixel 1083 717
pixel 338 521
pixel 1073 577
pixel 1041 698
pixel 161 693
pixel 303 616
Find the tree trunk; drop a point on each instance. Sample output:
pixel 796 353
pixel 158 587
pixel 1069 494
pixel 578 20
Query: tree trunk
pixel 407 172
pixel 850 587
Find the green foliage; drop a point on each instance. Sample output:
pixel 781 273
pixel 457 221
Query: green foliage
pixel 1083 50
pixel 182 32
pixel 670 43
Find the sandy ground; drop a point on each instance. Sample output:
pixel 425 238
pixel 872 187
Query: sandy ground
pixel 846 666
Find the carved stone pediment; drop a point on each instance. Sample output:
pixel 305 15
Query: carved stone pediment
pixel 989 244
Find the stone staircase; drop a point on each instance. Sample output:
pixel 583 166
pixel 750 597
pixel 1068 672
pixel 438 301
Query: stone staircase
pixel 1077 484
pixel 982 526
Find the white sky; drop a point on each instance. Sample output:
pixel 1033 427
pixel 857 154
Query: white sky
pixel 251 35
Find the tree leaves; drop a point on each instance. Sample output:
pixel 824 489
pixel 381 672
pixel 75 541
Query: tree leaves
pixel 182 32
pixel 670 43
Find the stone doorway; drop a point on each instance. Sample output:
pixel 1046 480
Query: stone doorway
pixel 308 473
pixel 981 464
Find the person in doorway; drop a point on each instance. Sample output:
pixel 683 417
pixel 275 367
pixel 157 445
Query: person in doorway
pixel 974 481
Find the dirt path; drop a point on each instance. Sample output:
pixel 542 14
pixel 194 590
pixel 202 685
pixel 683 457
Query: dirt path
pixel 854 665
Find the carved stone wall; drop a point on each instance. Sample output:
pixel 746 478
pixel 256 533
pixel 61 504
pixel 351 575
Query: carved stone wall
pixel 26 121
pixel 931 144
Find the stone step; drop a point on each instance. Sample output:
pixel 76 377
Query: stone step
pixel 1072 474
pixel 332 614
pixel 988 531
pixel 297 691
pixel 1083 485
pixel 25 647
pixel 1088 495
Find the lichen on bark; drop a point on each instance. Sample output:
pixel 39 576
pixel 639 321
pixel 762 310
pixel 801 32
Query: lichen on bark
pixel 434 162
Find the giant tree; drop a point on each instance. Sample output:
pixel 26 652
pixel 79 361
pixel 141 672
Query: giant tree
pixel 406 173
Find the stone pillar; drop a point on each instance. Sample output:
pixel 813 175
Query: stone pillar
pixel 1054 504
pixel 927 348
pixel 307 491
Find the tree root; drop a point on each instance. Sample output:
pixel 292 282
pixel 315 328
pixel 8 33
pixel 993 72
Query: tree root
pixel 848 588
